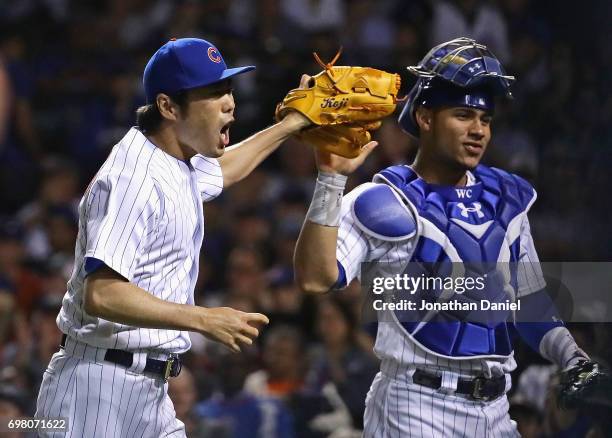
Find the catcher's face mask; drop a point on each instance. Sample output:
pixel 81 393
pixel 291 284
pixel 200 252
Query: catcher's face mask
pixel 460 72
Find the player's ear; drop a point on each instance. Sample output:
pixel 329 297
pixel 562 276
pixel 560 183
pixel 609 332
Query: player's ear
pixel 167 108
pixel 423 117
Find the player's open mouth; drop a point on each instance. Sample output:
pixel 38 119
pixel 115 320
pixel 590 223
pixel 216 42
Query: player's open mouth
pixel 225 138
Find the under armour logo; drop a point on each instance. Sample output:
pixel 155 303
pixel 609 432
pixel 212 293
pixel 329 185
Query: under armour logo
pixel 465 211
pixel 473 68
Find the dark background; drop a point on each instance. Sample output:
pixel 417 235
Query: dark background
pixel 70 81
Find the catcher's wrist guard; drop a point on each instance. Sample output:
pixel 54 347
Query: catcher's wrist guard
pixel 327 199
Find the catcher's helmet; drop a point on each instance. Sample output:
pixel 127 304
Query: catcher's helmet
pixel 459 72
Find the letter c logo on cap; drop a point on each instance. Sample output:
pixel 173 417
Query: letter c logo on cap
pixel 213 54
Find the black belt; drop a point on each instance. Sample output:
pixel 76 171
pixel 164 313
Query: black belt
pixel 162 368
pixel 478 388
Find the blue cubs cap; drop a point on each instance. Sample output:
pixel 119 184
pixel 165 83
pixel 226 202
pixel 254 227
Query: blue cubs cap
pixel 185 63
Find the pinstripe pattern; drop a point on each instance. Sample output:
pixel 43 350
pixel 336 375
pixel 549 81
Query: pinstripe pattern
pixel 397 407
pixel 80 393
pixel 142 215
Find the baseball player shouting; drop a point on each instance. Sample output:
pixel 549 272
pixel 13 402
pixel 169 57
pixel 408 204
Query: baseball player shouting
pixel 129 304
pixel 437 378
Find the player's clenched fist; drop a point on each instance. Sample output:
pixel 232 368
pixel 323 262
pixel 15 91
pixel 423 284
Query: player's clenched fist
pixel 230 327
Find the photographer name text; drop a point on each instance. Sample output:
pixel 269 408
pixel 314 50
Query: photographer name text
pixel 447 305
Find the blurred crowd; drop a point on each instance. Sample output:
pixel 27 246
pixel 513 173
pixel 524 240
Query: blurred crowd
pixel 70 82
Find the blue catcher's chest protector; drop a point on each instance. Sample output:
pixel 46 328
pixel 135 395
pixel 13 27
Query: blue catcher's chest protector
pixel 477 224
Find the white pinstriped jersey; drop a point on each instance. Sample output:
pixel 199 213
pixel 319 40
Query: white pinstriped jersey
pixel 142 215
pixel 392 346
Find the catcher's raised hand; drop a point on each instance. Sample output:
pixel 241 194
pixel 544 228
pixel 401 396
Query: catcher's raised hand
pixel 334 163
pixel 332 142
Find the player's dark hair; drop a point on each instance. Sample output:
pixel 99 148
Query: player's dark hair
pixel 148 117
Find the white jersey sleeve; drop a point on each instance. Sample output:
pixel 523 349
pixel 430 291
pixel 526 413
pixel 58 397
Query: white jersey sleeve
pixel 355 247
pixel 121 219
pixel 209 175
pixel 529 272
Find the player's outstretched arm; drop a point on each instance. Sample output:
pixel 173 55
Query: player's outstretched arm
pixel 239 160
pixel 110 296
pixel 315 266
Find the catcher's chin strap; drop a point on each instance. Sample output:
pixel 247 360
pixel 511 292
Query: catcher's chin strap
pixel 328 67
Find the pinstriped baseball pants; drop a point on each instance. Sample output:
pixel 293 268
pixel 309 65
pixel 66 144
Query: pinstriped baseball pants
pixel 398 408
pixel 101 399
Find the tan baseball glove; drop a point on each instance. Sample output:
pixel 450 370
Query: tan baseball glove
pixel 344 104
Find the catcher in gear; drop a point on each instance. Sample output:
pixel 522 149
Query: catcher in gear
pixel 344 104
pixel 444 373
